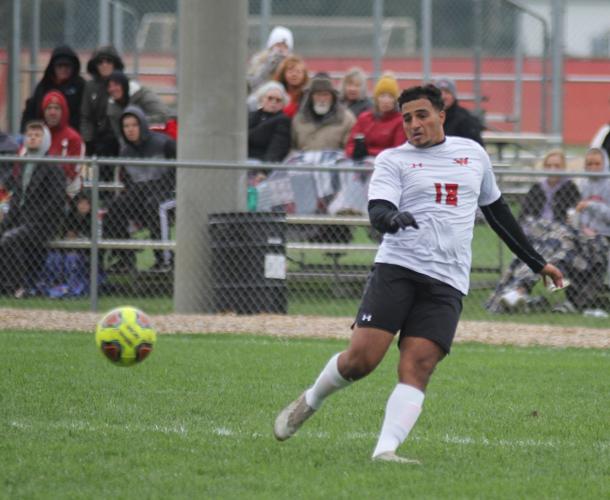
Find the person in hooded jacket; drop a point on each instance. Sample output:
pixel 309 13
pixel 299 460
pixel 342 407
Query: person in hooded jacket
pixel 35 212
pixel 65 141
pixel 145 187
pixel 322 121
pixel 61 74
pixel 124 92
pixel 458 120
pixel 94 126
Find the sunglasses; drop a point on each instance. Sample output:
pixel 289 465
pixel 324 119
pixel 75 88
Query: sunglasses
pixel 273 98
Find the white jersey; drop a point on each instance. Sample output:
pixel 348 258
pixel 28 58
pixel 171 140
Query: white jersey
pixel 441 186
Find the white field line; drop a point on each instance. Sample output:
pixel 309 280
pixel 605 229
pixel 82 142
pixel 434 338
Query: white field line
pixel 225 432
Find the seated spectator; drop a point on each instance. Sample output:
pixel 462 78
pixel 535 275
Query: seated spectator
pixel 322 122
pixel 34 215
pixel 458 120
pixel 551 198
pixel 61 74
pixel 381 127
pixel 292 74
pixel 264 64
pixel 66 272
pixel 268 126
pixel 353 92
pixel 124 92
pixel 65 141
pixel 8 146
pixel 145 187
pixel 94 125
pixel 580 251
pixel 601 139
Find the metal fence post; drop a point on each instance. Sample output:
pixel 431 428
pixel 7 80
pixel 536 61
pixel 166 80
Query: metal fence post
pixel 377 48
pixel 518 92
pixel 94 257
pixel 117 26
pixel 557 15
pixel 14 101
pixel 426 39
pixel 34 44
pixel 265 22
pixel 104 22
pixel 478 54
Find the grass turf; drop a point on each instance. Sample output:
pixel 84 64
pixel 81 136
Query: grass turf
pixel 194 421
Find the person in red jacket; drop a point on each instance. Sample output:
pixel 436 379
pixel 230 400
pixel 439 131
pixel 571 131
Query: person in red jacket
pixel 381 127
pixel 65 141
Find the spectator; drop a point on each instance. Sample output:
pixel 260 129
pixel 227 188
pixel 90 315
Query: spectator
pixel 8 146
pixel 62 74
pixel 551 198
pixel 268 126
pixel 66 272
pixel 264 64
pixel 292 74
pixel 580 251
pixel 380 128
pixel 94 125
pixel 602 138
pixel 353 91
pixel 322 122
pixel 458 120
pixel 124 92
pixel 145 187
pixel 35 213
pixel 65 141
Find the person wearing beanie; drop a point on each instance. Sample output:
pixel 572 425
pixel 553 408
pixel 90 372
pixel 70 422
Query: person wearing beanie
pixel 94 126
pixel 124 92
pixel 381 127
pixel 458 120
pixel 62 74
pixel 353 91
pixel 264 64
pixel 322 122
pixel 35 212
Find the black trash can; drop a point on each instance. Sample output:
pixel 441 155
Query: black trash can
pixel 249 262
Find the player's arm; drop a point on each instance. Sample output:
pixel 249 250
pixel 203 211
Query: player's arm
pixel 386 218
pixel 502 221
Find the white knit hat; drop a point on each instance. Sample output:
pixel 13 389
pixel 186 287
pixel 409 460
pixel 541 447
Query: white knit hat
pixel 279 34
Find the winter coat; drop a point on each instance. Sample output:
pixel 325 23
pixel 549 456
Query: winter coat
pixel 596 190
pixel 153 107
pixel 94 125
pixel 460 122
pixel 380 132
pixel 268 136
pixel 151 145
pixel 73 89
pixel 65 141
pixel 566 197
pixel 314 133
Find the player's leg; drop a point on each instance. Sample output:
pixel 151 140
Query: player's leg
pixel 366 350
pixel 425 340
pixel 385 304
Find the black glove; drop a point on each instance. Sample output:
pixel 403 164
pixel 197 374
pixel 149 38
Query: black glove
pixel 401 220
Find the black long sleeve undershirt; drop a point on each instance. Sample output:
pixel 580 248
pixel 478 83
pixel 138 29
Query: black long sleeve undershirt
pixel 380 215
pixel 502 221
pixel 498 215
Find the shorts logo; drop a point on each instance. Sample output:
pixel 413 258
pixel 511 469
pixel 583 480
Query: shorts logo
pixel 367 317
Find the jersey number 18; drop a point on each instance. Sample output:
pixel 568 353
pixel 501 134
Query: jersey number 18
pixel 451 192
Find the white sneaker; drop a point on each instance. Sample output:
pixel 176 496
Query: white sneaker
pixel 390 456
pixel 291 418
pixel 513 299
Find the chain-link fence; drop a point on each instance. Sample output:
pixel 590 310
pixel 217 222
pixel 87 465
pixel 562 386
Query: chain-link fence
pixel 282 257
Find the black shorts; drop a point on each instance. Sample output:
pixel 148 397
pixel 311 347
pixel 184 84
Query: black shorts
pixel 398 299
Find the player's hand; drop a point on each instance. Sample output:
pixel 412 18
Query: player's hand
pixel 552 272
pixel 402 220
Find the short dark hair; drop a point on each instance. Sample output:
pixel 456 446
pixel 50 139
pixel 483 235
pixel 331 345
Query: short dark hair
pixel 430 92
pixel 35 124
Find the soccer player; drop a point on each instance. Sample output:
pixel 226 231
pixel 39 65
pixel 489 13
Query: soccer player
pixel 423 196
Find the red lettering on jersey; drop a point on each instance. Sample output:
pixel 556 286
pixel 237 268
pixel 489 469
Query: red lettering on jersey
pixel 461 161
pixel 417 165
pixel 451 193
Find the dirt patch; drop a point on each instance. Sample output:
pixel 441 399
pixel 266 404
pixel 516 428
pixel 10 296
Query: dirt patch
pixel 311 327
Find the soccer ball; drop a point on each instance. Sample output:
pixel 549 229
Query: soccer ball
pixel 125 336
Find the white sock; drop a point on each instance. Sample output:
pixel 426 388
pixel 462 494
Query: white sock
pixel 401 413
pixel 329 381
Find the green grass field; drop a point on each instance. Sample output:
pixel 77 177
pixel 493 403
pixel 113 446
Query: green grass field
pixel 194 421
